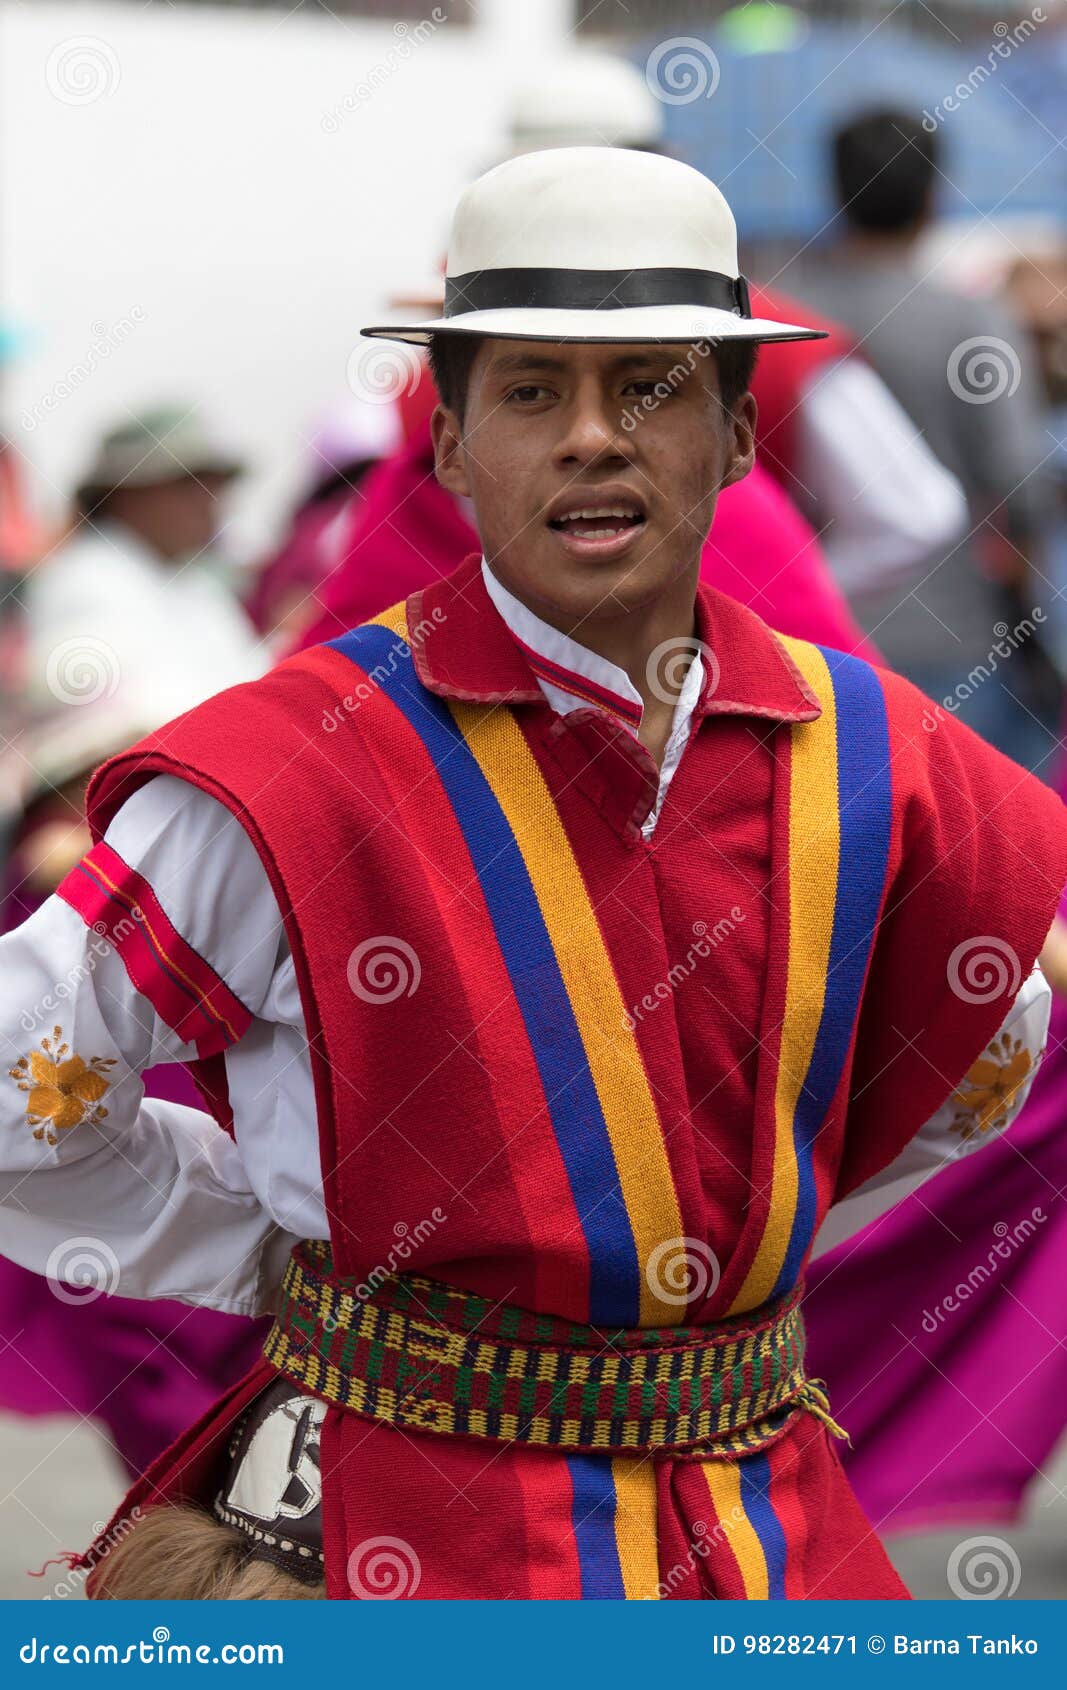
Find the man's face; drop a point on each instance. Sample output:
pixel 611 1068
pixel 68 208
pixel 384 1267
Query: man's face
pixel 634 437
pixel 178 519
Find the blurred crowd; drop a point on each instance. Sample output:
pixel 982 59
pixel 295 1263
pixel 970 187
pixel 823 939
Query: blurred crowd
pixel 918 454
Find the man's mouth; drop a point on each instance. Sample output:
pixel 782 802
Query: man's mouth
pixel 598 522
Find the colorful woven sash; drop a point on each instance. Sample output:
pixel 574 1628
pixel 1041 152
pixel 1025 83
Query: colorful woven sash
pixel 421 1354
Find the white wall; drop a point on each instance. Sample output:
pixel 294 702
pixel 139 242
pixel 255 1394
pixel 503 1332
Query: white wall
pixel 215 222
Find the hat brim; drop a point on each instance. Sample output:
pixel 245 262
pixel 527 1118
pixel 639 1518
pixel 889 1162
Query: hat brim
pixel 641 324
pixel 219 469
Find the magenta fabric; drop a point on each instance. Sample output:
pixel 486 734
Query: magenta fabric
pixel 942 1328
pixel 305 558
pixel 762 551
pixel 407 532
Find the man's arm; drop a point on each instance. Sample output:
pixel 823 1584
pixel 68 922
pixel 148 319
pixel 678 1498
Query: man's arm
pixel 976 1113
pixel 883 502
pixel 978 862
pixel 99 985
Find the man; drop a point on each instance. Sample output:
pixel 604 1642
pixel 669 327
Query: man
pixel 403 530
pixel 605 937
pixel 150 508
pixel 959 366
pixel 824 417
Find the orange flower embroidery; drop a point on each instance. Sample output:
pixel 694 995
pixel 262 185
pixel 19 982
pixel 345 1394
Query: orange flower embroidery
pixel 63 1090
pixel 987 1096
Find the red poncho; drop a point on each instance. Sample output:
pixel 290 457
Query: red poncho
pixel 819 868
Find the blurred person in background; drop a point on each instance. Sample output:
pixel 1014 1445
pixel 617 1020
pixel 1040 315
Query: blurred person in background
pixel 113 651
pixel 24 541
pixel 961 369
pixel 150 509
pixel 351 438
pixel 825 418
pixel 1036 289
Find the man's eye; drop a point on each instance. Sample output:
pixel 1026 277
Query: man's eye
pixel 643 387
pixel 528 394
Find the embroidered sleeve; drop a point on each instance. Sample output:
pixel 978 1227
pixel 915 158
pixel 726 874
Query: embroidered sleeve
pixel 98 985
pixel 183 989
pixel 980 1109
pixel 62 1089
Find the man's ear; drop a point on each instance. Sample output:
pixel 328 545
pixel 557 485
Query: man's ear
pixel 450 463
pixel 743 445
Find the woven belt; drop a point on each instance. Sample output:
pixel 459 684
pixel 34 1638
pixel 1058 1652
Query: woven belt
pixel 421 1354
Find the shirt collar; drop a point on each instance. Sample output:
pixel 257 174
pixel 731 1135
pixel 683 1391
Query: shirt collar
pixel 569 674
pixel 469 643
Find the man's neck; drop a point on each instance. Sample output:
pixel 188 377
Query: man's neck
pixel 864 247
pixel 144 542
pixel 650 643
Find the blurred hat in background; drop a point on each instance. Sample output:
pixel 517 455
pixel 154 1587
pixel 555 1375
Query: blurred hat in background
pixel 350 433
pixel 585 98
pixel 152 447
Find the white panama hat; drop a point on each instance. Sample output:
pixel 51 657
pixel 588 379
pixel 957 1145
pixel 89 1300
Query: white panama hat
pixel 594 244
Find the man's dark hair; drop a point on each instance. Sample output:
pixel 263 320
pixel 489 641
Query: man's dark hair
pixel 884 165
pixel 452 357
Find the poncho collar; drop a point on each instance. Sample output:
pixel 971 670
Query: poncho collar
pixel 463 649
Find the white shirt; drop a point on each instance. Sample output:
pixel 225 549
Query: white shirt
pixel 126 615
pixel 154 1197
pixel 868 481
pixel 118 642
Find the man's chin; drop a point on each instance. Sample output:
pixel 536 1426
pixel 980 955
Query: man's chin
pixel 564 587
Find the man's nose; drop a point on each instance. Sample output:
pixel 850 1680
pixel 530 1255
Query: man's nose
pixel 593 429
